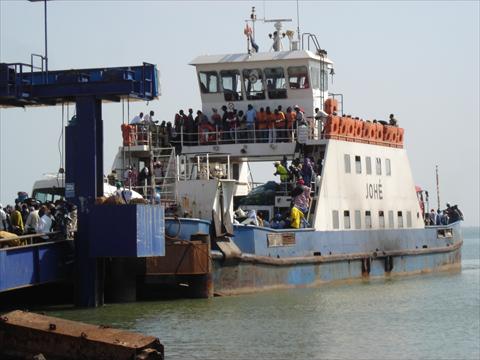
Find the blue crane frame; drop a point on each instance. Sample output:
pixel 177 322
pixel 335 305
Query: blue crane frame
pixel 21 86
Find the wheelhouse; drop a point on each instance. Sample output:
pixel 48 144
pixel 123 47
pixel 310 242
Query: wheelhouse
pixel 285 78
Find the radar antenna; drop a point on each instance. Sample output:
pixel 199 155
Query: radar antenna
pixel 276 36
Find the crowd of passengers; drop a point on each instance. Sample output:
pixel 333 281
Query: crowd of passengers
pixel 28 217
pixel 296 180
pixel 447 216
pixel 230 125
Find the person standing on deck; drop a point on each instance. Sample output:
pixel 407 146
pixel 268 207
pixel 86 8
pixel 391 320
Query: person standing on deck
pixel 270 125
pixel 321 119
pixel 262 129
pixel 250 117
pixel 284 176
pixel 307 171
pixel 279 125
pixel 137 119
pixel 3 219
pixel 301 196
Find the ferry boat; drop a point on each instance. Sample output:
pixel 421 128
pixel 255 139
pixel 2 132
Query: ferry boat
pixel 365 218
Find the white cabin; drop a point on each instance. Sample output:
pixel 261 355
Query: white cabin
pixel 286 78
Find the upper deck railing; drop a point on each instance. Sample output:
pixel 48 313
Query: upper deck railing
pixel 332 127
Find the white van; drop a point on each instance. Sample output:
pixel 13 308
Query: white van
pixel 52 188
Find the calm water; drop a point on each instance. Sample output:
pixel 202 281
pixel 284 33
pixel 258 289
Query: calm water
pixel 422 317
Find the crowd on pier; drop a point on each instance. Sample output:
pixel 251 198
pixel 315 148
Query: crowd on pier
pixel 29 217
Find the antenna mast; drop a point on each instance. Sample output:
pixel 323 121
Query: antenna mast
pixel 438 187
pixel 298 24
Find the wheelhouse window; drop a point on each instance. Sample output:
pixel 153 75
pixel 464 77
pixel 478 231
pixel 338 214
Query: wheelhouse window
pixel 276 86
pixel 400 219
pixel 358 219
pixel 346 219
pixel 298 77
pixel 208 82
pixel 335 221
pixel 358 165
pixel 378 166
pixel 368 165
pixel 319 78
pixel 368 219
pixel 391 225
pixel 346 159
pixel 388 169
pixel 253 81
pixel 381 219
pixel 232 86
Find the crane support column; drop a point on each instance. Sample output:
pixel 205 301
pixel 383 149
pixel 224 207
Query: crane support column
pixel 84 183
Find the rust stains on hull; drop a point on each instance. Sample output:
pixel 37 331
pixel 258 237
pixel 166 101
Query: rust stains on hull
pixel 24 335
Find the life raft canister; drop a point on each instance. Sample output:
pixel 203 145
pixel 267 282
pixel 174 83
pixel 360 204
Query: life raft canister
pixel 358 129
pixel 332 126
pixel 330 106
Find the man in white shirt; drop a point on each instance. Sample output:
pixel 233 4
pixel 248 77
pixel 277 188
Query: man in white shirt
pixel 137 119
pixel 32 220
pixel 148 118
pixel 3 219
pixel 45 223
pixel 321 118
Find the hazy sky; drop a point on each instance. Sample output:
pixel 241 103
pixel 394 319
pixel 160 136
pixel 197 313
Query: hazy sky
pixel 419 60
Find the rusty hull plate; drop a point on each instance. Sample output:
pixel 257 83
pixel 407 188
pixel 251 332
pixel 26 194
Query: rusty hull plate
pixel 29 333
pixel 186 258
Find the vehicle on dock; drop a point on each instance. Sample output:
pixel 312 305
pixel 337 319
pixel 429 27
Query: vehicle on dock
pixel 226 234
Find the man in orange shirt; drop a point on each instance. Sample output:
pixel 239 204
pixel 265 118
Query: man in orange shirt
pixel 290 117
pixel 262 131
pixel 279 125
